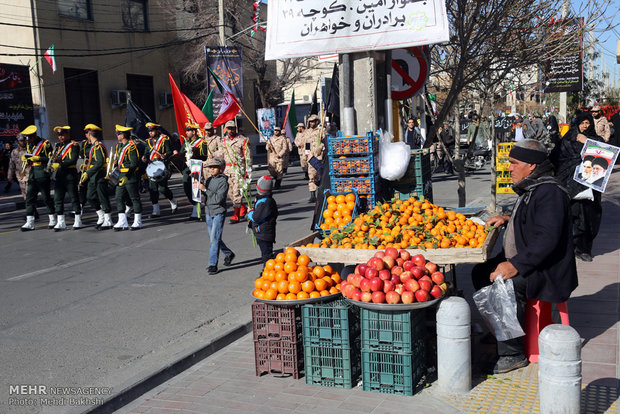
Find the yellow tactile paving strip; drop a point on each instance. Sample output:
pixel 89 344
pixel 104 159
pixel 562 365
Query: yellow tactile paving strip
pixel 517 393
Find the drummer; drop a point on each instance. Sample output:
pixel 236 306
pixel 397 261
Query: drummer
pixel 159 149
pixel 200 151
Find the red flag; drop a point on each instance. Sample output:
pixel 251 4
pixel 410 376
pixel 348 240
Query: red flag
pixel 185 110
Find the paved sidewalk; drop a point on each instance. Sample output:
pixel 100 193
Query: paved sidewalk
pixel 225 382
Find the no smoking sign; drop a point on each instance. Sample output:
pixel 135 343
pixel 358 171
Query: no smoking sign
pixel 409 72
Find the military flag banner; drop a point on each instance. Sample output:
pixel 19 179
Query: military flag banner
pixel 50 56
pixel 185 110
pixel 290 119
pixel 224 72
pixel 229 107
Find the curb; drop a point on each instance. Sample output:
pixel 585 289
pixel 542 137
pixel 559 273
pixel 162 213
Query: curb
pixel 136 390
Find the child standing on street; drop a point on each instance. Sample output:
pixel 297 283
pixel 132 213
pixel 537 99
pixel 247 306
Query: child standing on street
pixel 215 190
pixel 262 218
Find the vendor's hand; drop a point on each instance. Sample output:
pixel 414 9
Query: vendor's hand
pixel 497 221
pixel 55 166
pixel 83 178
pixel 122 181
pixel 35 158
pixel 505 269
pixel 202 187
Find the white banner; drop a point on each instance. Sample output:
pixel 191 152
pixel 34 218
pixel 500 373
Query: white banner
pixel 297 28
pixel 195 173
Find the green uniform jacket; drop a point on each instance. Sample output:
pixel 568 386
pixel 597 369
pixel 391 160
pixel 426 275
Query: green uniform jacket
pixel 98 159
pixel 201 151
pixel 38 168
pixel 164 147
pixel 130 162
pixel 71 157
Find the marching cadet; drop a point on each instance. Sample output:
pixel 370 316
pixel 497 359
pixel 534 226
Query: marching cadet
pixel 300 142
pixel 37 156
pixel 127 160
pixel 64 162
pixel 200 151
pixel 15 166
pixel 94 177
pixel 84 151
pixel 158 146
pixel 213 141
pixel 313 147
pixel 277 155
pixel 238 157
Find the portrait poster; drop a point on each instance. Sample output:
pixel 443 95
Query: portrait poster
pixel 598 159
pixel 195 172
pixel 266 118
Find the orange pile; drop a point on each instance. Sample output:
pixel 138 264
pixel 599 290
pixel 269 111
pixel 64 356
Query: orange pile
pixel 338 211
pixel 407 224
pixel 289 277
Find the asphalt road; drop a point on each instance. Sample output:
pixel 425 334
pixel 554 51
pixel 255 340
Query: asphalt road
pixel 105 309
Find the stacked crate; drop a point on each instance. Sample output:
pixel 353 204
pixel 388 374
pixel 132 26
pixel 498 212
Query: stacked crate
pixel 278 347
pixel 417 180
pixel 331 344
pixel 354 165
pixel 393 350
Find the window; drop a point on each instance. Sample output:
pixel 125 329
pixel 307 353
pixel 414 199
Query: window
pixel 79 9
pixel 134 14
pixel 142 92
pixel 82 92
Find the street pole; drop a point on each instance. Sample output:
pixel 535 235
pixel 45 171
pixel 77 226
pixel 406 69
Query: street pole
pixel 220 5
pixel 563 95
pixel 388 101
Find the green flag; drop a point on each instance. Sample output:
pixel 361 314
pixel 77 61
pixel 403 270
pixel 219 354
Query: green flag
pixel 290 119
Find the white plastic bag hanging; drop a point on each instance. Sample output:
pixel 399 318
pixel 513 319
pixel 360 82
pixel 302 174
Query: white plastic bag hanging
pixel 393 157
pixel 498 307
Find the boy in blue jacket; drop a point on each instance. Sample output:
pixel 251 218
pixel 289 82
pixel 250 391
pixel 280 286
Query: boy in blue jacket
pixel 262 218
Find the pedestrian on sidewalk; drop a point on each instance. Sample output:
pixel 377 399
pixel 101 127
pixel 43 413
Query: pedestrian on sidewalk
pixel 215 190
pixel 262 218
pixel 538 248
pixel 16 173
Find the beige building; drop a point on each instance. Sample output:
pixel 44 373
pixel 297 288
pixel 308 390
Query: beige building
pixel 105 52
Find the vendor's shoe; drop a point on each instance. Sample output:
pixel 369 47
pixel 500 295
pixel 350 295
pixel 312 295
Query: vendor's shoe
pixel 212 270
pixel 585 257
pixel 312 197
pixel 137 222
pixel 278 185
pixel 510 363
pixel 173 206
pixel 77 222
pixel 242 211
pixel 234 219
pixel 29 224
pixel 60 224
pixel 100 218
pixel 53 221
pixel 194 215
pixel 156 212
pixel 122 223
pixel 107 222
pixel 228 259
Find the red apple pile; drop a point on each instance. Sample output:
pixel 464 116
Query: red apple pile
pixel 393 276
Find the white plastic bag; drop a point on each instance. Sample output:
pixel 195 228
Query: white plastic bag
pixel 498 307
pixel 393 157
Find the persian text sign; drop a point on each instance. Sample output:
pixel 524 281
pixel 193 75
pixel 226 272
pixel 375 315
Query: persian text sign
pixel 564 73
pixel 297 28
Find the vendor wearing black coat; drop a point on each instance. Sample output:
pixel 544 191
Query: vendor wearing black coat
pixel 538 250
pixel 262 218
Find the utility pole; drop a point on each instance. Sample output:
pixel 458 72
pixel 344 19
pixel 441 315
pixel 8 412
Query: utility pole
pixel 563 95
pixel 220 5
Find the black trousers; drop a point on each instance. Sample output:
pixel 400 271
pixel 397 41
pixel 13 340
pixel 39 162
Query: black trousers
pixel 266 250
pixel 480 278
pixel 586 222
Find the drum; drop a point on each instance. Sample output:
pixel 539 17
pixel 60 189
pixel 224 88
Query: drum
pixel 157 171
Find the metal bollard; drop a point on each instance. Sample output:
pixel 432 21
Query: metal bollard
pixel 559 370
pixel 454 345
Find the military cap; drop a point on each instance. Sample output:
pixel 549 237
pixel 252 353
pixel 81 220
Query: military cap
pixel 92 127
pixel 277 128
pixel 152 125
pixel 31 129
pixel 300 125
pixel 208 125
pixel 57 129
pixel 313 117
pixel 231 124
pixel 121 128
pixel 596 108
pixel 20 137
pixel 191 125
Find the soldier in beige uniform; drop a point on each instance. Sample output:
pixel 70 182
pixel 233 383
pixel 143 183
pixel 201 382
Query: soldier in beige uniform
pixel 235 150
pixel 313 148
pixel 300 143
pixel 15 166
pixel 277 155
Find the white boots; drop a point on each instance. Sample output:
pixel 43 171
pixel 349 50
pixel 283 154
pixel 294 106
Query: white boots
pixel 60 225
pixel 107 222
pixel 100 218
pixel 174 205
pixel 137 222
pixel 156 212
pixel 77 223
pixel 122 223
pixel 53 221
pixel 29 224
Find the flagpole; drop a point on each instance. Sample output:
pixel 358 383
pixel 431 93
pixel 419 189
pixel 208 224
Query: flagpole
pixel 248 118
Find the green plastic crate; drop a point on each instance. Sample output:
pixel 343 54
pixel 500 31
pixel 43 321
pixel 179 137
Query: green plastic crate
pixel 392 331
pixel 331 367
pixel 331 324
pixel 392 373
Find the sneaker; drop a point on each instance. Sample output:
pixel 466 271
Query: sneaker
pixel 212 270
pixel 510 363
pixel 585 257
pixel 228 259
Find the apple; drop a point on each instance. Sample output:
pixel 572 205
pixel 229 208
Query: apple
pixel 392 297
pixel 427 277
pixel 400 288
pixel 365 285
pixel 376 284
pixel 436 292
pixel 371 272
pixel 396 270
pixel 385 274
pixel 392 252
pixel 417 272
pixel 437 278
pixel 376 263
pixel 360 269
pixel 412 285
pixel 406 276
pixel 407 297
pixel 378 297
pixel 419 260
pixel 432 267
pixel 424 285
pixel 366 296
pixel 399 262
pixel 408 265
pixel 356 279
pixel 404 254
pixel 380 254
pixel 422 296
pixel 347 291
pixel 357 295
pixel 395 279
pixel 389 262
pixel 388 286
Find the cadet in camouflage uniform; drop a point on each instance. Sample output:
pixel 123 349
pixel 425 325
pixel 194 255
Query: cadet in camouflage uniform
pixel 316 149
pixel 277 155
pixel 64 162
pixel 200 151
pixel 15 166
pixel 94 177
pixel 300 143
pixel 37 156
pixel 158 148
pixel 235 150
pixel 127 161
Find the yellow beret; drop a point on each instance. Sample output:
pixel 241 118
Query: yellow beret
pixel 92 127
pixel 61 128
pixel 191 125
pixel 121 128
pixel 151 125
pixel 29 130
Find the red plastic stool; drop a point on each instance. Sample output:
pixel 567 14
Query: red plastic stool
pixel 537 317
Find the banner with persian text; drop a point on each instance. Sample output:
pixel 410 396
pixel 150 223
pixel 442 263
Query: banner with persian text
pixel 226 63
pixel 16 110
pixel 316 27
pixel 564 72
